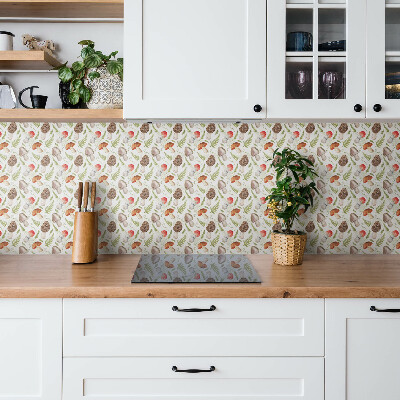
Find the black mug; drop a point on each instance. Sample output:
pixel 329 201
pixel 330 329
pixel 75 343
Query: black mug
pixel 299 41
pixel 37 100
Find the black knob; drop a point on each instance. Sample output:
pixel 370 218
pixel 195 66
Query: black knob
pixel 358 108
pixel 257 108
pixel 377 107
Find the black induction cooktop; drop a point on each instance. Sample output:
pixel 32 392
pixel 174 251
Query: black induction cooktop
pixel 195 268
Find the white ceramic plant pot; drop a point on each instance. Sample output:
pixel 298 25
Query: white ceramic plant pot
pixel 106 90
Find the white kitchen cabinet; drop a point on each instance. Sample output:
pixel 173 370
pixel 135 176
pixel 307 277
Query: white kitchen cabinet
pixel 383 59
pixel 305 80
pixel 153 378
pixel 30 349
pixel 362 349
pixel 191 59
pixel 151 327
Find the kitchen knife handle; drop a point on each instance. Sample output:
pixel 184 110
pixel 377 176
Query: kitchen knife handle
pixel 93 195
pixel 193 371
pixel 80 192
pixel 389 310
pixel 175 308
pixel 86 195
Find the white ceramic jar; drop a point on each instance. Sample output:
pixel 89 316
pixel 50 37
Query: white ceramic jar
pixel 6 40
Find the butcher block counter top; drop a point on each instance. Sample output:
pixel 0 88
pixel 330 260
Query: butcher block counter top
pixel 320 276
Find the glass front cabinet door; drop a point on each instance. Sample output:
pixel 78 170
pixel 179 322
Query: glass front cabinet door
pixel 316 58
pixel 383 59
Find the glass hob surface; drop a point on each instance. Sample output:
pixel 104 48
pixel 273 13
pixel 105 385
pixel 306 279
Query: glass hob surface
pixel 195 268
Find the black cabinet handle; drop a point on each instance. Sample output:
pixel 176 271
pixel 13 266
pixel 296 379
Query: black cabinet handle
pixel 358 108
pixel 193 371
pixel 175 308
pixel 257 108
pixel 377 108
pixel 390 310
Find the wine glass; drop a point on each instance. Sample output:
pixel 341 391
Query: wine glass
pixel 299 84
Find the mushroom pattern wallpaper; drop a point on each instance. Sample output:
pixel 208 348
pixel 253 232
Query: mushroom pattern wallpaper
pixel 195 187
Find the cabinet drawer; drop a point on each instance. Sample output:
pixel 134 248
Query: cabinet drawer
pixel 234 378
pixel 150 327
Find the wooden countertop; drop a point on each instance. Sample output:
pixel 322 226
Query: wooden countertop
pixel 323 276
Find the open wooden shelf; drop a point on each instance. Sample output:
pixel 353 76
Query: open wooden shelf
pixel 62 9
pixel 60 115
pixel 27 60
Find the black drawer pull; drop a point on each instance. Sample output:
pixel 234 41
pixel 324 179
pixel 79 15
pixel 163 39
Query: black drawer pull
pixel 393 310
pixel 175 308
pixel 193 371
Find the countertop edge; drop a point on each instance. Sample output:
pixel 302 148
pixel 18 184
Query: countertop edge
pixel 190 292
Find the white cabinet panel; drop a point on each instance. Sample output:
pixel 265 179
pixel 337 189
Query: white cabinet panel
pixel 30 349
pixel 362 350
pixel 190 59
pixel 234 378
pixel 237 327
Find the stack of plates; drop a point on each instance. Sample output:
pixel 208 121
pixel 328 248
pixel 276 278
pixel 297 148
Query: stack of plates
pixel 336 45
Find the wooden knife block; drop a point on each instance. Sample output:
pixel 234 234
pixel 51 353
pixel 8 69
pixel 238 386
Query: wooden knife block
pixel 84 249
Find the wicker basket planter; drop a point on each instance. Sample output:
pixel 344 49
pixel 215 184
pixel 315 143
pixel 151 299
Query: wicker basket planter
pixel 288 249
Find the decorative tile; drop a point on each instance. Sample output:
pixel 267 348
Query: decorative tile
pixel 183 188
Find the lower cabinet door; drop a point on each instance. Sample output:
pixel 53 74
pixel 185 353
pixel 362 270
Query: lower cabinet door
pixel 362 349
pixel 30 349
pixel 154 378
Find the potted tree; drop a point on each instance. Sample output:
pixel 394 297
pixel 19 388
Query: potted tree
pixel 294 191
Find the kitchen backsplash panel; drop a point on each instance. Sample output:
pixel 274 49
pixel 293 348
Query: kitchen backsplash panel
pixel 174 188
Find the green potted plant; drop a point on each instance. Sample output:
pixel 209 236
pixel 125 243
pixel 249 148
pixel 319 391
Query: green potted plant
pixel 294 191
pixel 95 79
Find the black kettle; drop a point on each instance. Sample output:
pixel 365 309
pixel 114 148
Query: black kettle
pixel 38 101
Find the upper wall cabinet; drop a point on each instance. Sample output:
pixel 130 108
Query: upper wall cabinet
pixel 316 58
pixel 383 59
pixel 192 59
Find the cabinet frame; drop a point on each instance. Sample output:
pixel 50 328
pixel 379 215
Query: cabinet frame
pixel 281 108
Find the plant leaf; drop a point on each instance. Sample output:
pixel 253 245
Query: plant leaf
pixel 73 98
pixel 93 61
pixel 114 67
pixel 76 84
pixel 84 93
pixel 79 74
pixel 86 52
pixel 86 43
pixel 113 54
pixel 93 75
pixel 77 66
pixel 65 74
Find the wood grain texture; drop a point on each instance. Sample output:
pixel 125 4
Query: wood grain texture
pixel 59 115
pixel 62 8
pixel 26 60
pixel 320 276
pixel 84 249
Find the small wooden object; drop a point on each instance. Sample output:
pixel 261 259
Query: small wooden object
pixel 288 249
pixel 84 249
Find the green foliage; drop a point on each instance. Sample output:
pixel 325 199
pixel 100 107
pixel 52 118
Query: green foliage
pixel 79 70
pixel 295 187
